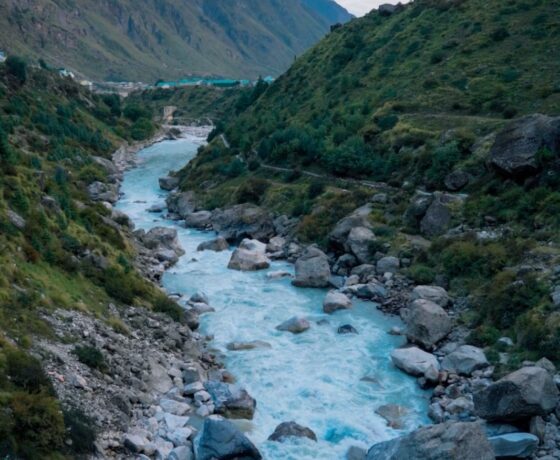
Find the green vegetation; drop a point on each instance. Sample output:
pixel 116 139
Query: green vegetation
pixel 59 250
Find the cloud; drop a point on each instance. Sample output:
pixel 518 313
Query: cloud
pixel 361 7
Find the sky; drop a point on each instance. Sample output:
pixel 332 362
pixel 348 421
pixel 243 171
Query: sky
pixel 361 7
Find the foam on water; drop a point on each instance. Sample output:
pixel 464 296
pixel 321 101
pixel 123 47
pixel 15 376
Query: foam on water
pixel 314 378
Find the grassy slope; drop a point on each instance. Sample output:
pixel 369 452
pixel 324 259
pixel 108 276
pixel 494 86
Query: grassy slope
pixel 50 128
pixel 143 41
pixel 408 99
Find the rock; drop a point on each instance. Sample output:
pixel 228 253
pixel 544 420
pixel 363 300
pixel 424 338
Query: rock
pixel 199 297
pixel 312 269
pixel 156 208
pixel 356 453
pixel 380 198
pixel 435 294
pixel 537 426
pixel 359 242
pixel 373 290
pixel 388 265
pixel 174 407
pixel 347 329
pixel 519 445
pixel 437 219
pixel 244 346
pixel 427 323
pixel 547 365
pixel 243 221
pixel 460 405
pixel 335 300
pixel 393 414
pixel 221 440
pixel 418 207
pixel 276 244
pixel 192 388
pixel 449 441
pixel 291 429
pixel 276 275
pixel 230 400
pixel 109 167
pixel 16 220
pixel 505 341
pixel 200 220
pixel 366 272
pixel 465 360
pixel 456 180
pixel 516 148
pixel 159 380
pixel 181 453
pixel 99 191
pixel 249 256
pixel 295 325
pixel 163 238
pixel 358 218
pixel 168 183
pixel 414 361
pixel 134 443
pixel 217 244
pixel 181 204
pixel 524 393
pixel 174 422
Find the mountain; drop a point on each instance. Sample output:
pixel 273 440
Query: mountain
pixel 440 116
pixel 150 39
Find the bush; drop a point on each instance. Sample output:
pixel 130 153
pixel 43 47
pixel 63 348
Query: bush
pixel 17 68
pixel 80 429
pixel 90 356
pixel 26 373
pixel 469 259
pixel 252 191
pixel 315 189
pixel 421 274
pixel 165 305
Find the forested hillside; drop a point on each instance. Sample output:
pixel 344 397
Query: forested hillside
pixel 431 100
pixel 145 40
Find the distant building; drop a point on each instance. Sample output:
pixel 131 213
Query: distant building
pixel 2 56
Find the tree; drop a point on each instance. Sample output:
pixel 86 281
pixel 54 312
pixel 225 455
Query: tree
pixel 17 68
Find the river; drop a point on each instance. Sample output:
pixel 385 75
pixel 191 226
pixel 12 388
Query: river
pixel 315 378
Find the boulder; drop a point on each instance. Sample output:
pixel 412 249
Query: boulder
pixel 358 218
pixel 516 149
pixel 359 242
pixel 109 167
pixel 249 256
pixel 163 238
pixel 427 323
pixel 312 269
pixel 231 401
pixel 276 244
pixel 159 380
pixel 221 440
pixel 217 244
pixel 456 180
pixel 414 361
pixel 465 360
pixel 99 191
pixel 199 297
pixel 295 325
pixel 388 264
pixel 366 272
pixel 356 453
pixel 134 442
pixel 243 221
pixel 521 445
pixel 439 214
pixel 181 204
pixel 373 290
pixel 200 220
pixel 335 300
pixel 291 430
pixel 435 294
pixel 449 441
pixel 16 220
pixel 522 394
pixel 393 414
pixel 174 407
pixel 418 207
pixel 181 453
pixel 244 346
pixel 168 183
pixel 347 329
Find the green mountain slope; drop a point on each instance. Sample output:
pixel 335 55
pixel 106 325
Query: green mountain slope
pixel 146 40
pixel 415 100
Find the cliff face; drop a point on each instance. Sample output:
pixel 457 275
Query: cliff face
pixel 145 40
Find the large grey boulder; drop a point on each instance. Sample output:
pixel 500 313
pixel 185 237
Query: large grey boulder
pixel 359 242
pixel 435 294
pixel 516 149
pixel 419 204
pixel 163 238
pixel 335 300
pixel 109 167
pixel 231 401
pixel 521 445
pixel 415 362
pixel 217 244
pixel 221 440
pixel 522 394
pixel 295 325
pixel 249 256
pixel 388 264
pixel 358 218
pixel 427 323
pixel 99 191
pixel 373 290
pixel 243 221
pixel 200 220
pixel 465 360
pixel 456 180
pixel 291 430
pixel 446 441
pixel 168 183
pixel 439 214
pixel 312 269
pixel 182 203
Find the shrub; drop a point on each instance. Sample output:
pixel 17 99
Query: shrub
pixel 484 336
pixel 315 189
pixel 80 429
pixel 90 356
pixel 165 305
pixel 252 191
pixel 17 68
pixel 421 274
pixel 26 373
pixel 466 258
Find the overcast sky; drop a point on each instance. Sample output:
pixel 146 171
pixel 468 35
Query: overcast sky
pixel 361 7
